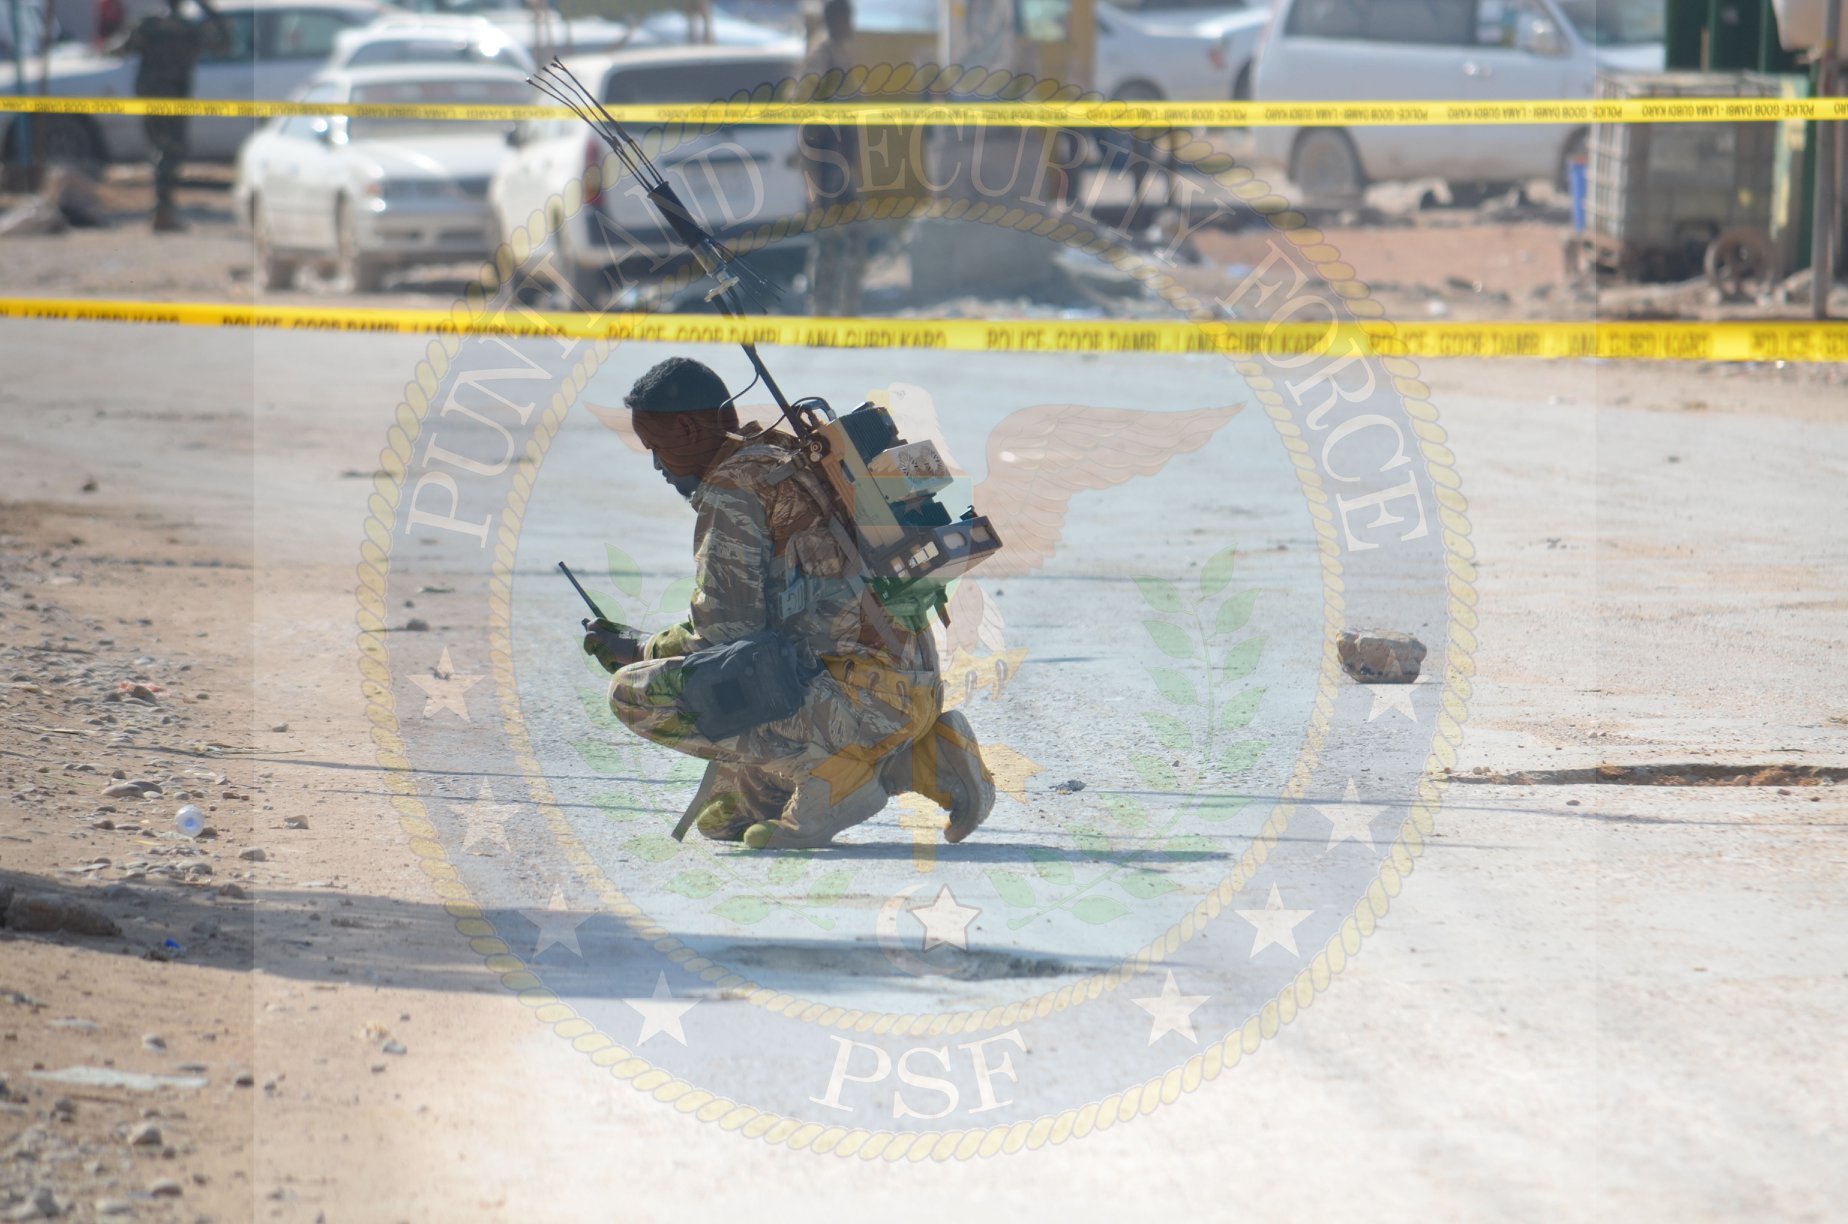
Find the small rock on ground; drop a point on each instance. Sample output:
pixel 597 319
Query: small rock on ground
pixel 1380 656
pixel 41 1204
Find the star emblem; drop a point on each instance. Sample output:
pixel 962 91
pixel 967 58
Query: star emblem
pixel 485 822
pixel 1276 925
pixel 444 690
pixel 1349 820
pixel 944 921
pixel 1390 697
pixel 1171 1011
pixel 662 1013
pixel 557 924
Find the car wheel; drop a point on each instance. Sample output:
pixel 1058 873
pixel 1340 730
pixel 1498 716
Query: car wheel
pixel 272 271
pixel 357 272
pixel 1742 263
pixel 1326 169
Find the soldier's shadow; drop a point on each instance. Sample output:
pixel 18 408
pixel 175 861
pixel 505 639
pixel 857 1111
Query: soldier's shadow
pixel 1008 853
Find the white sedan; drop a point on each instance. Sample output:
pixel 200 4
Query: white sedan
pixel 1141 62
pixel 366 196
pixel 1237 27
pixel 276 45
pixel 732 179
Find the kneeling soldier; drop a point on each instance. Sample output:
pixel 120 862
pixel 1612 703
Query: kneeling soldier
pixel 811 703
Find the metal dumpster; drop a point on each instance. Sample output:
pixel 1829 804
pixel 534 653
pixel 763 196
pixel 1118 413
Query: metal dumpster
pixel 1667 200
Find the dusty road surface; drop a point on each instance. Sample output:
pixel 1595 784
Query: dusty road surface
pixel 437 959
pixel 1503 259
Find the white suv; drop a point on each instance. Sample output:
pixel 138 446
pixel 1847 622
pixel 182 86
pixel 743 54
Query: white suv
pixel 1415 50
pixel 732 179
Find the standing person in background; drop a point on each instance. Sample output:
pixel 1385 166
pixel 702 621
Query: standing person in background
pixel 831 169
pixel 169 45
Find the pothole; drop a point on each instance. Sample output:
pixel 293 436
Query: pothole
pixel 1685 774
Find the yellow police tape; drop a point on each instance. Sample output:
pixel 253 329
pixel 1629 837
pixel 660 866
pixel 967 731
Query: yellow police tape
pixel 1644 341
pixel 1081 113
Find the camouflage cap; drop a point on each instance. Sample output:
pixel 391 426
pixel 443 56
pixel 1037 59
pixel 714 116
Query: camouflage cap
pixel 678 384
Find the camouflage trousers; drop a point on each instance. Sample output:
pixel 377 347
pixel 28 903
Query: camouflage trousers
pixel 836 268
pixel 862 735
pixel 167 147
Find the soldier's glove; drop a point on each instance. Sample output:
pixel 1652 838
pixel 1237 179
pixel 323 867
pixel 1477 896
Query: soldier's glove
pixel 610 644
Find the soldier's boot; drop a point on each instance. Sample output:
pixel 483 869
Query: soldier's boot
pixel 742 797
pixel 963 783
pixel 718 819
pixel 945 766
pixel 813 816
pixel 167 218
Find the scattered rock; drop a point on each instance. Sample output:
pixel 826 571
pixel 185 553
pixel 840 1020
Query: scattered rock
pixel 1380 656
pixel 154 1041
pixel 114 1207
pixel 40 1204
pixel 73 191
pixel 280 727
pixel 244 1079
pixel 393 1046
pixel 256 854
pixel 233 891
pixel 296 822
pixel 416 624
pixel 166 1187
pixel 145 1135
pixel 37 912
pixel 122 790
pixel 1070 786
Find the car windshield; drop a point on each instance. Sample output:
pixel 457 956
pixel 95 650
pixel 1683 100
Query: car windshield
pixel 442 92
pixel 1179 8
pixel 473 6
pixel 895 16
pixel 674 84
pixel 433 51
pixel 1615 23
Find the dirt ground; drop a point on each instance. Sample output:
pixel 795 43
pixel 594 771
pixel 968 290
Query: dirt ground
pixel 357 1061
pixel 1595 1001
pixel 1503 259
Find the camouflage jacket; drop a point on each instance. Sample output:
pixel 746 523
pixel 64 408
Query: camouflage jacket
pixel 771 550
pixel 169 47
